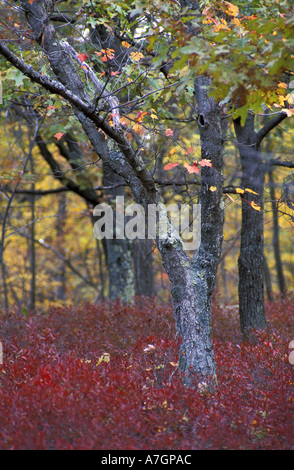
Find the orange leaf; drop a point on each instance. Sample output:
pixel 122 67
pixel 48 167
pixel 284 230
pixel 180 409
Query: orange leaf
pixel 205 162
pixel 59 135
pixel 192 168
pixel 140 116
pixel 169 132
pixel 170 166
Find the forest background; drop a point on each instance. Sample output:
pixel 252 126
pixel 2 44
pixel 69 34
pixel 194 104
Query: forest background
pixel 132 344
pixel 48 252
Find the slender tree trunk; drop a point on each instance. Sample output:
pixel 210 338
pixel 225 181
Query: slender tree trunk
pixel 119 250
pixel 143 267
pixel 268 279
pixel 31 242
pixel 251 263
pixel 276 229
pixel 60 290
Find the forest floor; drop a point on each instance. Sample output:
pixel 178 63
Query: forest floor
pixel 105 376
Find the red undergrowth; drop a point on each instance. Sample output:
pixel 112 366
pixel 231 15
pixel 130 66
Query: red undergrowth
pixel 105 377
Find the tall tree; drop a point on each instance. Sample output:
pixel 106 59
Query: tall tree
pixel 251 258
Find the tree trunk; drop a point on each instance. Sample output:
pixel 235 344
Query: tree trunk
pixel 276 242
pixel 143 267
pixel 60 291
pixel 250 262
pixel 119 250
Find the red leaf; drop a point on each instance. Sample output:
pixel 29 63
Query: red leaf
pixel 59 135
pixel 170 166
pixel 82 57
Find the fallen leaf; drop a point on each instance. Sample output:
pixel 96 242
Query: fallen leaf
pixel 149 348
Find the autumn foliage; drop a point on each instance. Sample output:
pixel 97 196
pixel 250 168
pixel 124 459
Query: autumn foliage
pixel 105 377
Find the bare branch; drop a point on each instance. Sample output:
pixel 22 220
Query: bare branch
pixel 274 122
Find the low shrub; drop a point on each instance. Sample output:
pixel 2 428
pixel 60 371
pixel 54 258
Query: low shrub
pixel 105 377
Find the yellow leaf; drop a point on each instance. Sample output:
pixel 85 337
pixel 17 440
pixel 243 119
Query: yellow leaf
pixel 231 9
pixel 153 116
pixel 237 22
pixel 283 85
pixel 212 188
pixel 255 206
pixel 136 56
pixel 137 128
pixel 250 191
pixel 125 44
pixel 240 191
pixel 290 98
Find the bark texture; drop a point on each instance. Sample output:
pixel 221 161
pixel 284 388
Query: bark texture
pixel 251 262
